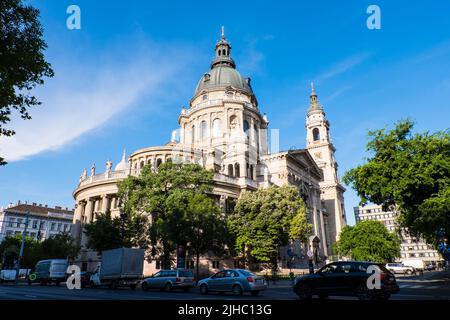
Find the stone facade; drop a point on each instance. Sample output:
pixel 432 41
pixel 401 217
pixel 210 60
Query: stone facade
pixel 224 131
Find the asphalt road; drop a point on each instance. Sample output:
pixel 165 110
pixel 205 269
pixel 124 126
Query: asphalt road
pixel 430 286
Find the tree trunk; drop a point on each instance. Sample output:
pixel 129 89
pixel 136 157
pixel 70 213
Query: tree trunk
pixel 197 263
pixel 166 255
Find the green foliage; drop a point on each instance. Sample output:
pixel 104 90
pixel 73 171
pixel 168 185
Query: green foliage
pixel 264 219
pixel 107 233
pixel 300 228
pixel 22 63
pixel 176 197
pixel 59 246
pixel 411 172
pixel 368 241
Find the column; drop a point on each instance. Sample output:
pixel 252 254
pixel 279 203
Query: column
pixel 77 220
pixel 105 203
pixel 89 212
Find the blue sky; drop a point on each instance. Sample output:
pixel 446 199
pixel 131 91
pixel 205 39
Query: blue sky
pixel 121 80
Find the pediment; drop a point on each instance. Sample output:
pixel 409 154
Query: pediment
pixel 304 159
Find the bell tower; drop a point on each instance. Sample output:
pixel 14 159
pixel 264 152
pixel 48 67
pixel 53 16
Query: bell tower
pixel 322 150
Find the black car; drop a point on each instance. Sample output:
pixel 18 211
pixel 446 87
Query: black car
pixel 346 278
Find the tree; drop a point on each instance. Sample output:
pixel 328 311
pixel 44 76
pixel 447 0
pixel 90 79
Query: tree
pixel 262 221
pixel 410 173
pixel 9 252
pixel 60 246
pixel 165 194
pixel 368 241
pixel 22 62
pixel 205 227
pixel 107 233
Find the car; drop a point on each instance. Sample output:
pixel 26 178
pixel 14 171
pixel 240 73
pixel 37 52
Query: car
pixel 169 280
pixel 346 278
pixel 400 268
pixel 236 281
pixel 430 267
pixel 85 278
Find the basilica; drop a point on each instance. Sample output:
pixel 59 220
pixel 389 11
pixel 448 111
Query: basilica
pixel 223 130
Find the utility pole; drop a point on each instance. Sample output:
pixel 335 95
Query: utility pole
pixel 24 233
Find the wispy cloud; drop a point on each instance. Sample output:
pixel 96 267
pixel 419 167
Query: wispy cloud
pixel 343 66
pixel 252 58
pixel 337 93
pixel 85 95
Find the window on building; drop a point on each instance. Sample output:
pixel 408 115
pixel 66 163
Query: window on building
pixel 35 224
pixel 217 128
pixel 53 226
pixel 9 233
pixel 192 134
pixel 237 170
pixel 11 222
pixel 230 170
pixel 246 126
pixel 203 130
pixel 316 135
pixel 216 264
pixel 19 222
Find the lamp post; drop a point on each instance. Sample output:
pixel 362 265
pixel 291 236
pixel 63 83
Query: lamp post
pixel 24 233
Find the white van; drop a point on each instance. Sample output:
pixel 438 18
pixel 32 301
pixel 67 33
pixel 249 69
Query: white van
pixel 49 271
pixel 7 275
pixel 417 264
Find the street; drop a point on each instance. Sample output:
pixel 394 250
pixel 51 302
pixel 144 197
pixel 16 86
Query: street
pixel 430 286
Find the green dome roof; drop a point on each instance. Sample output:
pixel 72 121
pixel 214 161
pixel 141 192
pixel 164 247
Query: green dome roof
pixel 222 76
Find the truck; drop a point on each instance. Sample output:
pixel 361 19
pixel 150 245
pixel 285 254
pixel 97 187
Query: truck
pixel 121 267
pixel 417 264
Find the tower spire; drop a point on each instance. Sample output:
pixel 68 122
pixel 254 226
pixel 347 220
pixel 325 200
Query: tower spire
pixel 313 98
pixel 223 52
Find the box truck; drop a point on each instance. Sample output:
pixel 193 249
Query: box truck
pixel 120 267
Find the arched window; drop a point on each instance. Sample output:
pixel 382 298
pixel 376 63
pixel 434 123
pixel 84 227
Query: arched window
pixel 236 170
pixel 217 130
pixel 193 134
pixel 246 126
pixel 230 170
pixel 158 162
pixel 142 164
pixel 149 161
pixel 223 52
pixel 316 134
pixel 203 130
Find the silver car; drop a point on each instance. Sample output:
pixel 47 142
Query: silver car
pixel 168 280
pixel 236 281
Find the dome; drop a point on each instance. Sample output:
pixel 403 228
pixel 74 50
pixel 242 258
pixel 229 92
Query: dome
pixel 122 165
pixel 222 76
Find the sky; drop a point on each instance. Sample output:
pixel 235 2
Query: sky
pixel 121 80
